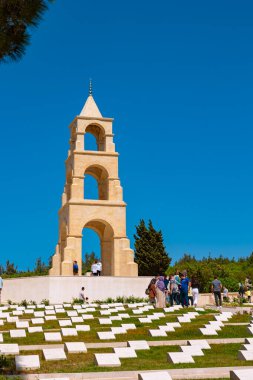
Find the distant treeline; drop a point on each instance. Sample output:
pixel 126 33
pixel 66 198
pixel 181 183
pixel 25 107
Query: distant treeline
pixel 229 271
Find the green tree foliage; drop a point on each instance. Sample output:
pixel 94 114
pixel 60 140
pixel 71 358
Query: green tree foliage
pixel 89 258
pixel 16 18
pixel 40 267
pixel 10 268
pixel 150 253
pixel 229 271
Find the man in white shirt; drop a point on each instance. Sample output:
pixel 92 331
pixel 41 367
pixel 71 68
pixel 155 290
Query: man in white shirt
pixel 99 265
pixel 94 268
pixel 1 287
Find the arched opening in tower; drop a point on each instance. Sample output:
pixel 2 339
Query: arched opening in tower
pixel 97 187
pixel 94 138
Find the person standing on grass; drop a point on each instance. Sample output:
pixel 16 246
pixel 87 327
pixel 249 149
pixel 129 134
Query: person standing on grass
pixel 160 293
pixel 185 284
pixel 1 287
pixel 152 291
pixel 195 290
pixel 216 290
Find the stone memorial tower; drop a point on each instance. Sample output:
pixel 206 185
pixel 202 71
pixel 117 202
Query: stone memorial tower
pixel 106 215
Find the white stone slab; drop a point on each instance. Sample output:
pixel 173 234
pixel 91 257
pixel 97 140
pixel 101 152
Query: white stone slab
pixel 213 327
pixel 50 318
pixel 76 307
pixel 72 313
pixel 138 344
pixel 115 318
pixel 153 317
pixel 199 309
pixel 105 312
pixel 60 311
pixel 179 357
pixel 12 319
pixel 103 335
pixel 77 319
pixel 156 375
pixel 87 316
pixel 17 312
pixel 248 347
pixel 201 343
pixel 9 349
pixel 250 330
pixel 82 328
pixel 39 314
pixel 137 311
pixel 245 355
pixel 173 324
pixel 53 337
pixel 22 325
pixel 90 309
pixel 65 322
pixel 145 320
pixel 207 331
pixel 249 340
pixel 192 350
pixel 124 315
pixel 27 362
pixel 184 319
pixel 118 330
pixel 49 307
pixel 1 338
pixel 107 360
pixel 1 322
pixel 241 374
pixel 69 331
pixel 166 328
pixel 104 306
pixel 128 326
pixel 159 315
pixel 38 321
pixel 35 329
pixel 50 312
pixel 105 321
pixel 157 332
pixel 20 333
pixel 125 352
pixel 75 347
pixel 54 354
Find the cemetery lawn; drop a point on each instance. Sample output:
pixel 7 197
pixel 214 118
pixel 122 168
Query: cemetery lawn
pixel 220 355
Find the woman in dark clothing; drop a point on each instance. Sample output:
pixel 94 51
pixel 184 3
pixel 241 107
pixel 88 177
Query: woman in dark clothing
pixel 152 291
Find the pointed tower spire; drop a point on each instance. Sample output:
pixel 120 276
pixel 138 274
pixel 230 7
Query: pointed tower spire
pixel 90 88
pixel 90 109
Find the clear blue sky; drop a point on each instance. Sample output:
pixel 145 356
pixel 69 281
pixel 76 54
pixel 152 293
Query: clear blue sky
pixel 177 77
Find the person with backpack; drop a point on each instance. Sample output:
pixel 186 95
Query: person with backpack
pixel 151 291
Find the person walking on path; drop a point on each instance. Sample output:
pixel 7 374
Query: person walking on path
pixel 195 290
pixel 184 289
pixel 1 287
pixel 160 293
pixel 216 290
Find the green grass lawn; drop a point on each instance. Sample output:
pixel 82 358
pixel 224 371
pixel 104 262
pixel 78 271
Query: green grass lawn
pixel 187 331
pixel 223 355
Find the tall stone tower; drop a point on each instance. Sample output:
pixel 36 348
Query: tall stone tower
pixel 106 215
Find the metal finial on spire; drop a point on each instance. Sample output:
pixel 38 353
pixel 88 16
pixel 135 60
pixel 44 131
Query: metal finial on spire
pixel 90 88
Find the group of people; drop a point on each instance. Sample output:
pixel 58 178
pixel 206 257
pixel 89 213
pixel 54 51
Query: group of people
pixel 96 268
pixel 173 289
pixel 245 289
pixel 179 289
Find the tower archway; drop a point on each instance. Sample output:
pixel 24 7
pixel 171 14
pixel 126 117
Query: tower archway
pixel 101 176
pixel 105 233
pixel 98 134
